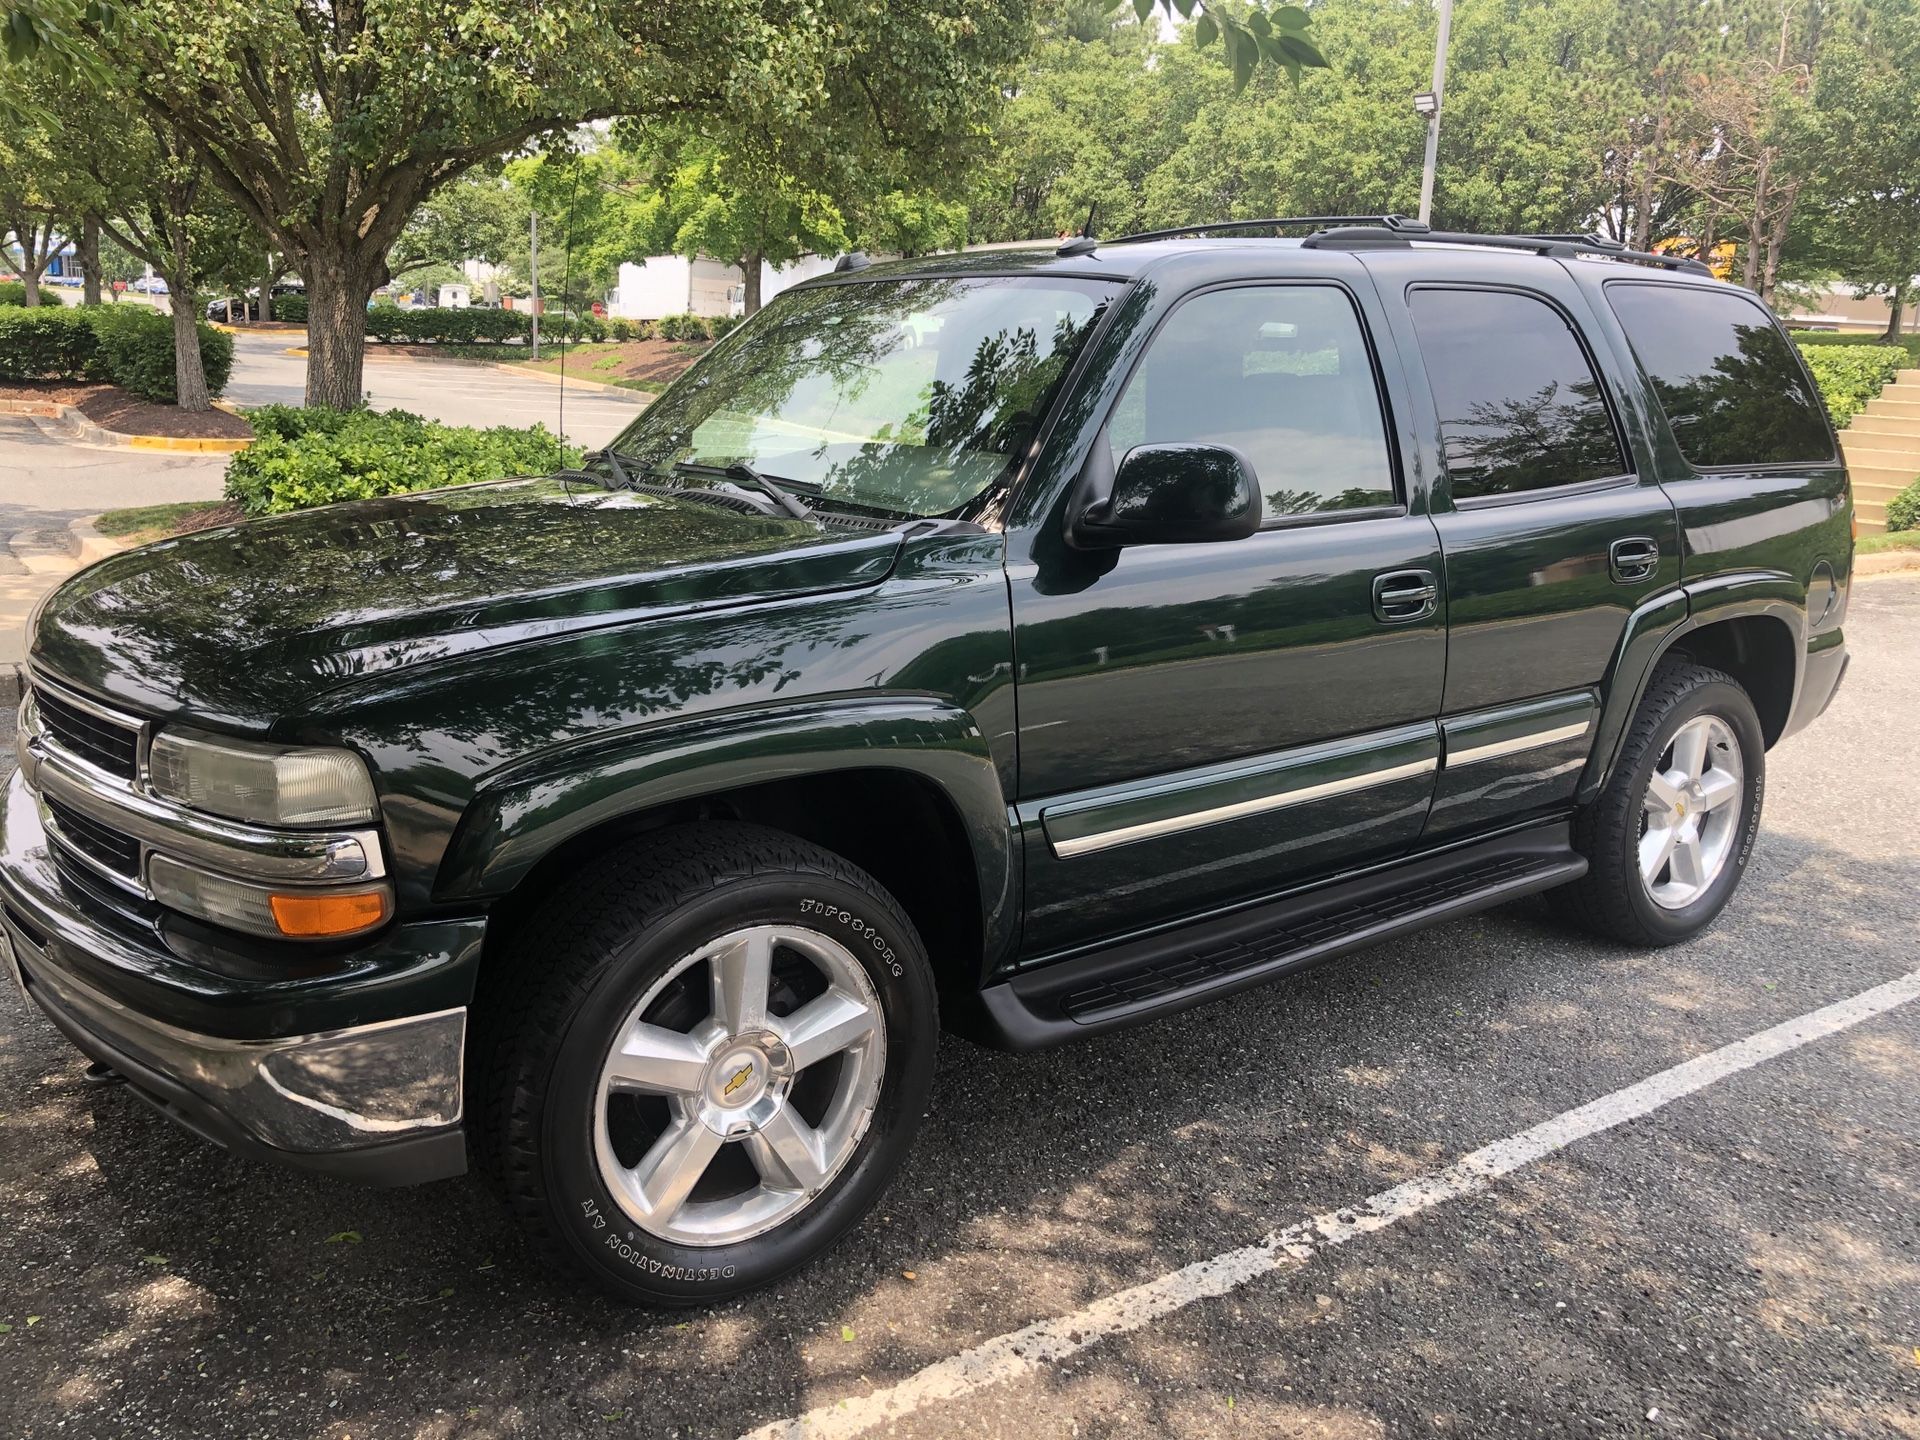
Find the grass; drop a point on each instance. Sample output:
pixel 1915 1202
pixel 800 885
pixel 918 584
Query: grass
pixel 1901 540
pixel 144 523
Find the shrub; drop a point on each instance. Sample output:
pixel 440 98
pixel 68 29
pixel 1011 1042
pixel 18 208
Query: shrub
pixel 1903 511
pixel 290 308
pixel 620 329
pixel 14 292
pixel 720 324
pixel 126 345
pixel 136 352
pixel 390 324
pixel 46 344
pixel 1851 375
pixel 301 458
pixel 682 327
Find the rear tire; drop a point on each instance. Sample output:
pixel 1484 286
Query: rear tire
pixel 713 1050
pixel 1669 837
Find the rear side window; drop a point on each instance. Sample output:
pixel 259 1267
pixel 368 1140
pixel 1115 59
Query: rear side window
pixel 1733 390
pixel 1520 407
pixel 1282 374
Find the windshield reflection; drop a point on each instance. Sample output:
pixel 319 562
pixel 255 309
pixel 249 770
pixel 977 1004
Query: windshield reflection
pixel 909 396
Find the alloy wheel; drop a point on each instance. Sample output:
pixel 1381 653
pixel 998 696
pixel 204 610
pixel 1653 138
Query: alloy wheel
pixel 740 1085
pixel 1690 815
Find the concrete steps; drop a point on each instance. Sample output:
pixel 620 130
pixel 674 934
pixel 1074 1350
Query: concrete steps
pixel 1882 447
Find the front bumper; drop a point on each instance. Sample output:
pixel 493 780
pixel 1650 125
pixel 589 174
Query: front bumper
pixel 374 1099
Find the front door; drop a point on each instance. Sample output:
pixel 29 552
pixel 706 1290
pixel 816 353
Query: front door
pixel 1201 724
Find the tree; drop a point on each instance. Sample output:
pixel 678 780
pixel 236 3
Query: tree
pixel 329 124
pixel 29 207
pixel 1861 220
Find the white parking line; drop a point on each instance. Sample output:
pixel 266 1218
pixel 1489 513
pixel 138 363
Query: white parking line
pixel 1007 1357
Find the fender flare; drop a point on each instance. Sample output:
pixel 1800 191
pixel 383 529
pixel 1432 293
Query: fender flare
pixel 520 815
pixel 1660 623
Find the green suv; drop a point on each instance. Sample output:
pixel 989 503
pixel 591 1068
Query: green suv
pixel 1026 643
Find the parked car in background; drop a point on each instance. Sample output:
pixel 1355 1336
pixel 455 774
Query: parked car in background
pixel 1030 643
pixel 232 310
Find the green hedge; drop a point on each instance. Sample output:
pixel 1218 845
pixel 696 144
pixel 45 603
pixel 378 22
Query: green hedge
pixel 301 458
pixel 1903 511
pixel 1910 343
pixel 14 292
pixel 391 324
pixel 47 345
pixel 290 308
pixel 1851 375
pixel 130 346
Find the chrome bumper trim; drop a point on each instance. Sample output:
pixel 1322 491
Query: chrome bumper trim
pixel 337 1090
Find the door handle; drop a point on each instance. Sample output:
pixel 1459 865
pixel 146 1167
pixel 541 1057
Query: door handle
pixel 1634 558
pixel 1403 595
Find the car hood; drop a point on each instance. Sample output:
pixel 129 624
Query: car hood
pixel 243 625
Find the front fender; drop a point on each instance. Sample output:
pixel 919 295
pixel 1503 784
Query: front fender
pixel 521 815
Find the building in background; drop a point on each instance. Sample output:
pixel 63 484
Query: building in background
pixel 674 285
pixel 1833 307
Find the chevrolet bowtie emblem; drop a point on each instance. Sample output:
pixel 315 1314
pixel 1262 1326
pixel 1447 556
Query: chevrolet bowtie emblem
pixel 740 1078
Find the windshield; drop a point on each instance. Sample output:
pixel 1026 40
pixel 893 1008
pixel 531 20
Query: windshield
pixel 911 396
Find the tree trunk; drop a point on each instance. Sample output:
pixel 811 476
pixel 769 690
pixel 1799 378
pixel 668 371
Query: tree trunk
pixel 267 277
pixel 90 260
pixel 1897 321
pixel 337 295
pixel 189 374
pixel 750 289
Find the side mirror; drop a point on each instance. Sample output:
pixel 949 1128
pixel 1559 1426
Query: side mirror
pixel 1165 495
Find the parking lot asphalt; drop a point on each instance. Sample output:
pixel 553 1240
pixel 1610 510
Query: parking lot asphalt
pixel 1742 1260
pixel 458 394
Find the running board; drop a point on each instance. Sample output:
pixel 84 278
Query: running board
pixel 1175 970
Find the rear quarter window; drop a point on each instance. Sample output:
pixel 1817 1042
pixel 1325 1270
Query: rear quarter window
pixel 1733 391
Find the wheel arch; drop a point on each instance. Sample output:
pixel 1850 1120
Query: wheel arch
pixel 1752 626
pixel 907 792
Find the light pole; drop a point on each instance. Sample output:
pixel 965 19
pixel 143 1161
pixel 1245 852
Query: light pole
pixel 533 264
pixel 1428 104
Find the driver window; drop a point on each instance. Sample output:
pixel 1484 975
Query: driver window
pixel 1279 372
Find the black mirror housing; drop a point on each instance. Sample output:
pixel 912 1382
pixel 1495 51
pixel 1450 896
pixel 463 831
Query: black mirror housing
pixel 1165 495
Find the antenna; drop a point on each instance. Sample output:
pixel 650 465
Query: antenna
pixel 566 293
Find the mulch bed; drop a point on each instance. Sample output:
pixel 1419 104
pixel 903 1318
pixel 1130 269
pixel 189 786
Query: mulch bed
pixel 227 512
pixel 112 408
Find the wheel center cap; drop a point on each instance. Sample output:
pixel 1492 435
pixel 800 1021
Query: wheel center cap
pixel 746 1083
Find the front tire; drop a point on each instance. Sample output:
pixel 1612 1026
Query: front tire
pixel 1669 837
pixel 717 1046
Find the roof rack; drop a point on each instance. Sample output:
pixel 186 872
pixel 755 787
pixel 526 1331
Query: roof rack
pixel 1366 236
pixel 1398 224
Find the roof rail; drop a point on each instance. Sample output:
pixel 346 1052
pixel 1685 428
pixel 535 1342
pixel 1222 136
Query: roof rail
pixel 1398 224
pixel 1370 237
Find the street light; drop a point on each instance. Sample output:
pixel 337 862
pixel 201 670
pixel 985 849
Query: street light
pixel 1427 102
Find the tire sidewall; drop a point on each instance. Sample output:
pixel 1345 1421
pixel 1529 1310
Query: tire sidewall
pixel 1730 704
pixel 639 1265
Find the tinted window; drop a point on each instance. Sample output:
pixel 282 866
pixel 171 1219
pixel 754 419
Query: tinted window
pixel 1520 408
pixel 1281 373
pixel 1730 383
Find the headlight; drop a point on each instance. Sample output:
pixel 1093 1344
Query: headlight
pixel 267 784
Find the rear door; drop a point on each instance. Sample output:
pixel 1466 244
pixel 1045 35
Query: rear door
pixel 1203 724
pixel 1553 526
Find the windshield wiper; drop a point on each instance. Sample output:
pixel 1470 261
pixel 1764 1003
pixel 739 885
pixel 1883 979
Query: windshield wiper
pixel 780 496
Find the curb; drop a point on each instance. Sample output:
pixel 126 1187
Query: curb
pixel 89 433
pixel 1887 562
pixel 89 546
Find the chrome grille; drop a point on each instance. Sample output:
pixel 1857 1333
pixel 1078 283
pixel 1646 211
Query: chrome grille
pixel 101 742
pixel 102 844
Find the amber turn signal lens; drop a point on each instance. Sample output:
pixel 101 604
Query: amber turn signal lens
pixel 312 916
